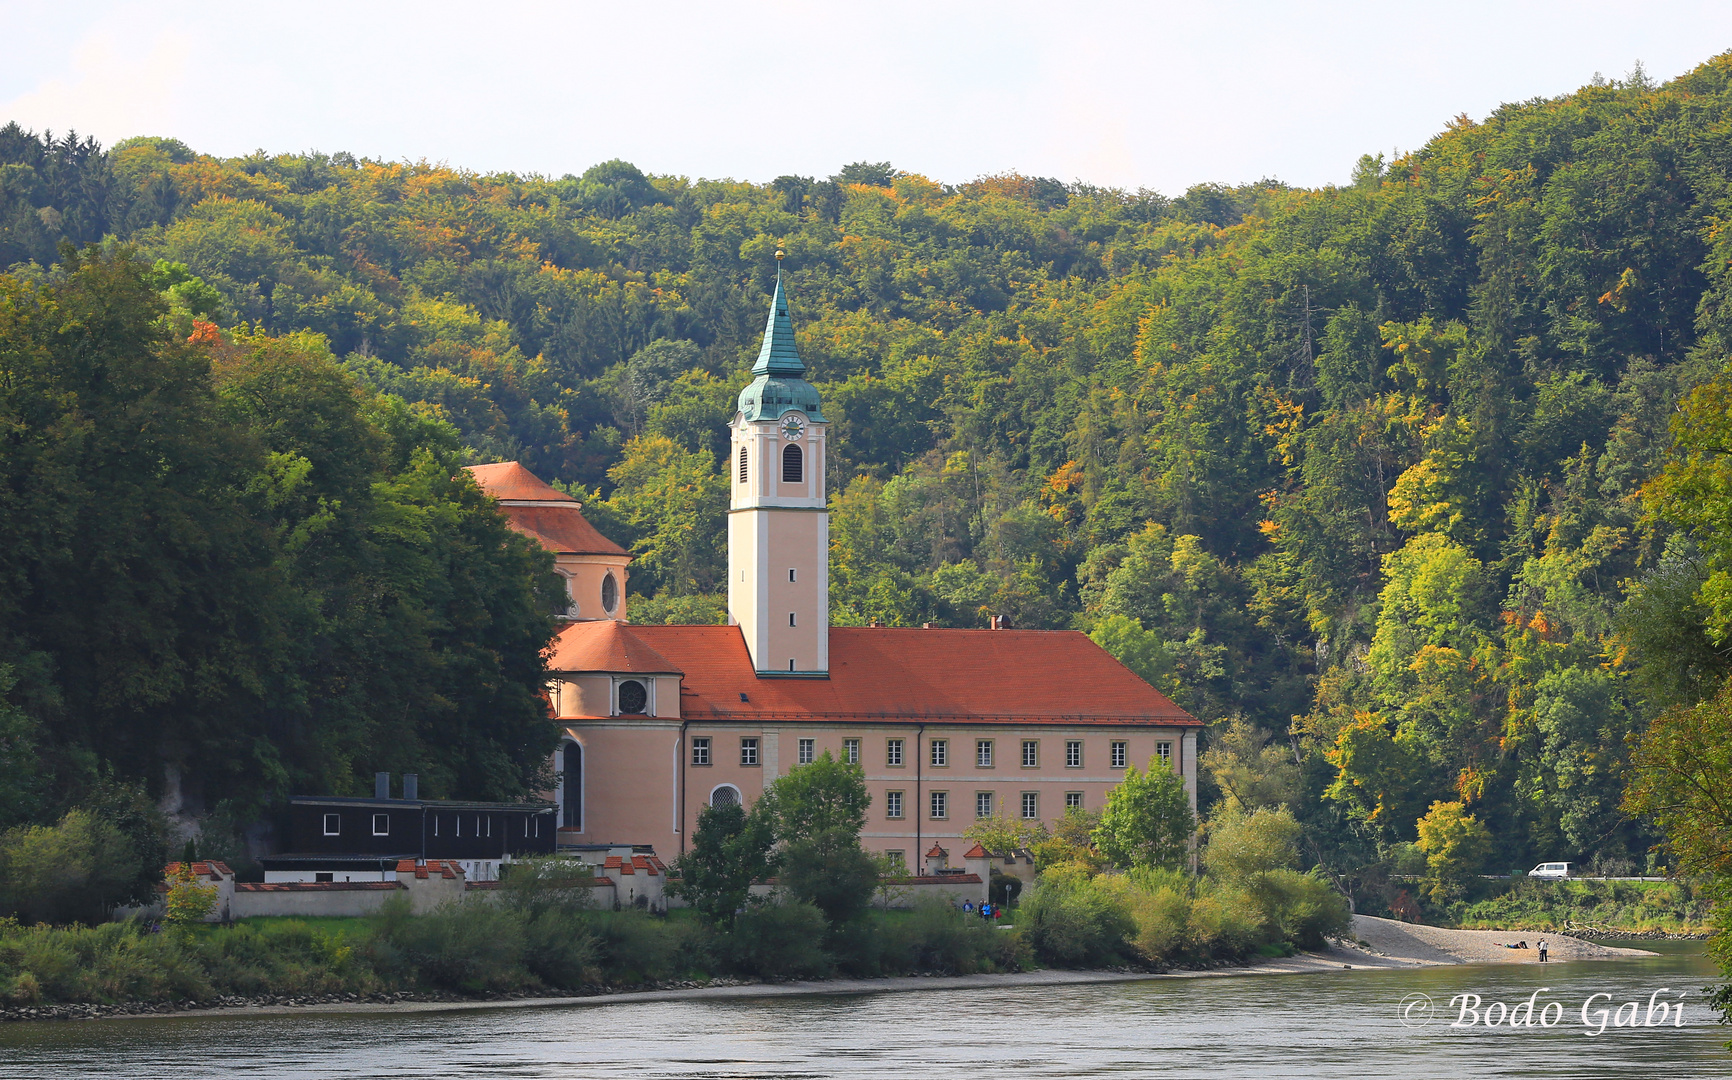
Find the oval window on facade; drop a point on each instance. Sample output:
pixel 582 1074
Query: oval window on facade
pixel 609 593
pixel 633 696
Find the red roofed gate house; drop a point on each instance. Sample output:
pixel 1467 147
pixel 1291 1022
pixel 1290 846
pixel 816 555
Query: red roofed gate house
pixel 948 725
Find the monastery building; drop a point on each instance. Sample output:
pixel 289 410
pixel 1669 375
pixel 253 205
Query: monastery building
pixel 948 725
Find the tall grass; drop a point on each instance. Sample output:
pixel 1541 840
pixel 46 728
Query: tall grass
pixel 478 946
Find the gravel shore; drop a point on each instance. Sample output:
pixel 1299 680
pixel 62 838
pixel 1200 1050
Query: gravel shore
pixel 1413 944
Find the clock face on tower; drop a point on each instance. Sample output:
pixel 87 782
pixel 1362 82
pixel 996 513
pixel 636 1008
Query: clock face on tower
pixel 792 427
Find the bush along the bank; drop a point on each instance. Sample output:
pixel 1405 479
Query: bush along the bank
pixel 477 947
pixel 1250 900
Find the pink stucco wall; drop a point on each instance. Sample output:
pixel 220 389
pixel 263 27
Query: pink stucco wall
pixel 635 797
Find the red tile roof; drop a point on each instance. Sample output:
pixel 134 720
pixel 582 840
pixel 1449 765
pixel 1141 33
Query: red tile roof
pixel 560 529
pixel 445 868
pixel 937 853
pixel 557 525
pixel 509 480
pixel 935 879
pixel 212 868
pixel 884 673
pixel 606 645
pixel 317 886
pixel 976 852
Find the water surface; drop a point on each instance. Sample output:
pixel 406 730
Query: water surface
pixel 1327 1024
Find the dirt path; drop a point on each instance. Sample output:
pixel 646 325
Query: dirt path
pixel 1409 943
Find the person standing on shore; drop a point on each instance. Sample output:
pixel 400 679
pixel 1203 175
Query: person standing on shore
pixel 1542 952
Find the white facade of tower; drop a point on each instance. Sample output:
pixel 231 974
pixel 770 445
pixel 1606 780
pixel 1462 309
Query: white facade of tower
pixel 779 543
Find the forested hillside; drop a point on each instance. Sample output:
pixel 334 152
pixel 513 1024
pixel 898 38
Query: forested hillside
pixel 1355 473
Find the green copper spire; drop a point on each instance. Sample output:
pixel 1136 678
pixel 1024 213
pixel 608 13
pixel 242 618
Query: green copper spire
pixel 779 356
pixel 777 386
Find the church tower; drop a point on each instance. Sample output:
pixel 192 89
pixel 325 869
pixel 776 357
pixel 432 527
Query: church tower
pixel 778 526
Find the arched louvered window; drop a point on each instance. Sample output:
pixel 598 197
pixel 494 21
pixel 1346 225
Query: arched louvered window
pixel 742 464
pixel 793 464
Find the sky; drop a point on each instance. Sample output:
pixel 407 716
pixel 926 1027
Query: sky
pixel 1151 95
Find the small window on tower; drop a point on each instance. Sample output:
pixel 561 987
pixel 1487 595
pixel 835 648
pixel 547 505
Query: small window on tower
pixel 742 464
pixel 793 465
pixel 609 593
pixel 790 573
pixel 790 618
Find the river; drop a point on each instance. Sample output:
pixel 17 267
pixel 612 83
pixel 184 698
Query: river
pixel 1325 1024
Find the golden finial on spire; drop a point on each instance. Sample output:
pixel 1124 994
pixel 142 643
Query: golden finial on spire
pixel 779 254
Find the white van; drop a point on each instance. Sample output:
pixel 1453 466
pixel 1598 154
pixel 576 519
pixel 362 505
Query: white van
pixel 1550 869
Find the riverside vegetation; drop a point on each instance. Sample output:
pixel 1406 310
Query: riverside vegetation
pixel 539 934
pixel 1413 488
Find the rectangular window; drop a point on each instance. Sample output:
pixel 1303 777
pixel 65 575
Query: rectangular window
pixel 1073 754
pixel 1118 755
pixel 808 751
pixel 851 751
pixel 701 750
pixel 324 877
pixel 1164 751
pixel 940 751
pixel 897 859
pixel 748 751
pixel 982 804
pixel 941 804
pixel 790 623
pixel 1030 805
pixel 1072 801
pixel 1030 753
pixel 381 824
pixel 333 825
pixel 983 753
pixel 790 573
pixel 893 804
pixel 893 752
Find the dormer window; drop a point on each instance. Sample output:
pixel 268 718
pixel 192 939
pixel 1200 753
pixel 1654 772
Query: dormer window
pixel 632 697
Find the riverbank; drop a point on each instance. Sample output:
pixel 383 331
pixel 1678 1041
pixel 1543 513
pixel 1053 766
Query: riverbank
pixel 1380 944
pixel 720 988
pixel 1416 945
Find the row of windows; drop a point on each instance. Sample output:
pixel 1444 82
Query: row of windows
pixel 482 825
pixel 806 752
pixel 938 804
pixel 793 464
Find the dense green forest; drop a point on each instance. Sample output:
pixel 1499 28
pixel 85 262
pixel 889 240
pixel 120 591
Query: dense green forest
pixel 1356 474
